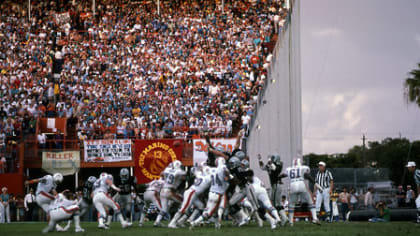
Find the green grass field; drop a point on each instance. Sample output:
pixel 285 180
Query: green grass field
pixel 300 228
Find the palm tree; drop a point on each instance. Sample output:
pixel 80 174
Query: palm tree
pixel 412 86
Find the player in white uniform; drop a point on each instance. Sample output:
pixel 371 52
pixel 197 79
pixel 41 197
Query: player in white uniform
pixel 63 209
pixel 219 183
pixel 173 177
pixel 101 199
pixel 151 195
pixel 46 191
pixel 298 189
pixel 191 196
pixel 258 196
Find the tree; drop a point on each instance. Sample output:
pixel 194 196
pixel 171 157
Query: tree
pixel 390 153
pixel 412 86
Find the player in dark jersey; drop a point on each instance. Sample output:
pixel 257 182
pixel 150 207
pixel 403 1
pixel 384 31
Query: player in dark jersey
pixel 84 192
pixel 274 166
pixel 126 183
pixel 214 152
pixel 237 189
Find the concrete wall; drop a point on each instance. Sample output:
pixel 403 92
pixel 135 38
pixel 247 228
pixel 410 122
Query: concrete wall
pixel 277 126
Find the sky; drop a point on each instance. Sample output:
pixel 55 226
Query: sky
pixel 355 55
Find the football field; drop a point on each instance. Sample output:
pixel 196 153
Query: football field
pixel 300 228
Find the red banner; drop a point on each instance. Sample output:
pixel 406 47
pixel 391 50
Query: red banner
pixel 153 156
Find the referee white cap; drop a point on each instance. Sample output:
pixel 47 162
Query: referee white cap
pixel 321 163
pixel 411 164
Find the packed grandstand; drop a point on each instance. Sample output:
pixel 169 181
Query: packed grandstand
pixel 126 71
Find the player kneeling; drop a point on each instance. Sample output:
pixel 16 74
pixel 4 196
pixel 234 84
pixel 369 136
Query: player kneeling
pixel 63 208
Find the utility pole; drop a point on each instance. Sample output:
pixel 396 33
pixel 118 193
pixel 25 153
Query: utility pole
pixel 363 151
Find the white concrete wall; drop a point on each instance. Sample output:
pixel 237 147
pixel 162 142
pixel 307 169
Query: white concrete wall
pixel 277 127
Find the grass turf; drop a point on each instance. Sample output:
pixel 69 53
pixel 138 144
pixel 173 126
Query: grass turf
pixel 300 228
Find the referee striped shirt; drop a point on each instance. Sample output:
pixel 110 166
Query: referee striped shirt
pixel 324 178
pixel 417 177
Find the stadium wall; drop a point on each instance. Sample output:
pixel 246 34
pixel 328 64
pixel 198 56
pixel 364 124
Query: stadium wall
pixel 277 124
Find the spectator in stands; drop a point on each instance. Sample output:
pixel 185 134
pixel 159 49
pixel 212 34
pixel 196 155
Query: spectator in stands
pixel 344 199
pixel 5 202
pixel 369 199
pixel 410 197
pixel 30 206
pixel 400 196
pixel 58 139
pixel 2 138
pixel 2 164
pixel 383 214
pixel 42 140
pixel 128 63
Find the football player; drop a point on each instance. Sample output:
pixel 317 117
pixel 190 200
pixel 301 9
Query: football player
pixel 101 199
pixel 173 177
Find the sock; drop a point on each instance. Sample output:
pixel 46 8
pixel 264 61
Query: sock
pixel 283 215
pixel 142 216
pixel 313 211
pixel 220 213
pixel 275 214
pixel 175 218
pixel 193 216
pixel 198 220
pixel 291 213
pixel 270 219
pixel 101 220
pixel 109 220
pixel 121 218
pixel 76 219
pixel 183 219
pixel 159 218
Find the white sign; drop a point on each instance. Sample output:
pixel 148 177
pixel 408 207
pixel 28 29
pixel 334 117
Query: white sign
pixel 50 123
pixel 67 162
pixel 107 150
pixel 200 147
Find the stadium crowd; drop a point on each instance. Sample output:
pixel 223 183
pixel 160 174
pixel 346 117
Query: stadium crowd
pixel 127 71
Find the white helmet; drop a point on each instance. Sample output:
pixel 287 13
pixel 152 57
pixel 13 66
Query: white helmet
pixel 220 161
pixel 58 178
pixel 177 165
pixel 103 175
pixel 203 164
pixel 297 162
pixel 171 165
pixel 206 170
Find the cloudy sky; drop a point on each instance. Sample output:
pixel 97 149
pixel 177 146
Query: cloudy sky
pixel 355 56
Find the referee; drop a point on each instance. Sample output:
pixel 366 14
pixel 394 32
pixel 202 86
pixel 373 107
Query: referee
pixel 325 179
